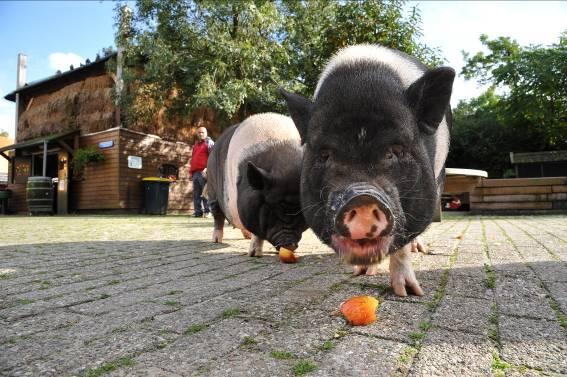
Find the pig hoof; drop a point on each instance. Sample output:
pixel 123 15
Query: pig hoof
pixel 400 282
pixel 217 236
pixel 255 249
pixel 255 253
pixel 372 270
pixel 358 270
pixel 417 246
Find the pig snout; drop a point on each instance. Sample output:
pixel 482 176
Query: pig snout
pixel 362 212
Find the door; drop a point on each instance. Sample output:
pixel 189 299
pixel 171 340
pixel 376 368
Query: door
pixel 63 182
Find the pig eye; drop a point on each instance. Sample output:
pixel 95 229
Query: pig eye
pixel 322 157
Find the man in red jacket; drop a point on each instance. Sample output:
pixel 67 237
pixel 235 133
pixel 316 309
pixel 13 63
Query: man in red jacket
pixel 198 170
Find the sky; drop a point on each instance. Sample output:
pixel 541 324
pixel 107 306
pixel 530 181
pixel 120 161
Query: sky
pixel 56 34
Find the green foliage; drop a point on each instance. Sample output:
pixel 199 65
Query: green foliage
pixel 281 355
pixel 232 56
pixel 303 367
pixel 84 156
pixel 531 113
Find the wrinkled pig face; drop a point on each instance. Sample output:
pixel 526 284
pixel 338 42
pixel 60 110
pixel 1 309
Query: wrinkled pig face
pixel 269 205
pixel 368 184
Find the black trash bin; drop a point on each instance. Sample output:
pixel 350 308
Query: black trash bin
pixel 156 195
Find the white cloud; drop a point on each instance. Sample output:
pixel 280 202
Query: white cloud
pixel 61 61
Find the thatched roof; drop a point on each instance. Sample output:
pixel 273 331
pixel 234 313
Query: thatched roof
pixel 62 79
pixel 534 157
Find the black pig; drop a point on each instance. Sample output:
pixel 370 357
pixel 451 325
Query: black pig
pixel 253 181
pixel 376 136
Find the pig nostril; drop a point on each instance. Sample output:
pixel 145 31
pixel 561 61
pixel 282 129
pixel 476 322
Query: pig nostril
pixel 351 215
pixel 376 214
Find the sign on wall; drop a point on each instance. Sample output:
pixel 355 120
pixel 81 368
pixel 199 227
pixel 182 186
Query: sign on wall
pixel 22 169
pixel 106 144
pixel 134 162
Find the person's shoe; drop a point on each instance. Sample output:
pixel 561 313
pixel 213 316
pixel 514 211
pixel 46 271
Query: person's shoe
pixel 197 215
pixel 207 215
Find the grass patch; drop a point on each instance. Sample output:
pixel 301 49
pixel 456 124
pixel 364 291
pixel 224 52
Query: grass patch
pixel 231 312
pixel 424 326
pixel 6 276
pixel 407 354
pixel 328 345
pixel 104 296
pixel 193 329
pixel 249 341
pixel 90 288
pixel 493 334
pixel 162 344
pixel 109 367
pixel 498 366
pixel 562 318
pixel 171 293
pixel 417 336
pixel 281 355
pixel 440 292
pixel 490 276
pixel 25 301
pixel 114 282
pixel 44 285
pixel 303 367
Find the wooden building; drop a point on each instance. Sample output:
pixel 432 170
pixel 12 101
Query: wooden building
pixel 539 164
pixel 74 110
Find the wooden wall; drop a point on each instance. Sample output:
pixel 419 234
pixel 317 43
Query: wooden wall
pixel 520 194
pixel 154 152
pixel 99 187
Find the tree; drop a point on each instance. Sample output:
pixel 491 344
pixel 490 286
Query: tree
pixel 317 29
pixel 479 139
pixel 534 82
pixel 4 133
pixel 232 56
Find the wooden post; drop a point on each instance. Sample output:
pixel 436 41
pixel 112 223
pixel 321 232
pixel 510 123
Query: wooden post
pixel 44 171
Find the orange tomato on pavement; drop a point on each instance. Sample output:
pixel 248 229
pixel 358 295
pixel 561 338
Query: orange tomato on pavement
pixel 360 310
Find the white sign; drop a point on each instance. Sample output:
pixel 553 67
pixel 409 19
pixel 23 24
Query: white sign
pixel 134 162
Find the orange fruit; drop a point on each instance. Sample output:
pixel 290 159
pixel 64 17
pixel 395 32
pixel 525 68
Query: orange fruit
pixel 360 310
pixel 287 256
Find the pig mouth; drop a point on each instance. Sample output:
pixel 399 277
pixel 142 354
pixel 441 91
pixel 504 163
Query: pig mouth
pixel 361 251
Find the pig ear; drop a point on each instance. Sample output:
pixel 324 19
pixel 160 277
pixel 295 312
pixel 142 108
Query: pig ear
pixel 257 177
pixel 429 97
pixel 300 111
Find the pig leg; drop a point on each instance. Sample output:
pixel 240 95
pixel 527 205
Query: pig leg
pixel 219 223
pixel 255 249
pixel 369 270
pixel 401 272
pixel 418 246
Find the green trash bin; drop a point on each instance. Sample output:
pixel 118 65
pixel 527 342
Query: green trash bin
pixel 156 195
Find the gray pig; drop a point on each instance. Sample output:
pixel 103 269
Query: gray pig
pixel 253 181
pixel 376 137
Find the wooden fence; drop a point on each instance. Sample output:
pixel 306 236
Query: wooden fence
pixel 521 194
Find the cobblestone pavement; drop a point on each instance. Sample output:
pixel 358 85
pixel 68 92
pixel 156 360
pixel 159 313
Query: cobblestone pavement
pixel 152 296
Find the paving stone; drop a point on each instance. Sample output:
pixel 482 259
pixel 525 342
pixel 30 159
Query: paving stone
pixel 559 294
pixel 360 356
pixel 471 317
pixel 538 344
pixel 522 297
pixel 468 283
pixel 132 287
pixel 453 353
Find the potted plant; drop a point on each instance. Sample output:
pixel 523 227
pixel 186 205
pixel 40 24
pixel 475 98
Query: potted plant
pixel 82 157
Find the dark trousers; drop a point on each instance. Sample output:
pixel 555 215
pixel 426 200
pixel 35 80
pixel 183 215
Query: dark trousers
pixel 198 185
